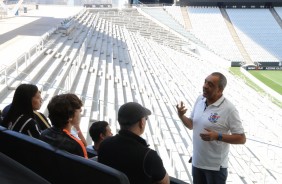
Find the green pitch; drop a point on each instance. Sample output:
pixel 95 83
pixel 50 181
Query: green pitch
pixel 272 79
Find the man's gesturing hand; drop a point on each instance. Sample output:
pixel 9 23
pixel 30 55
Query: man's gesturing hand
pixel 181 109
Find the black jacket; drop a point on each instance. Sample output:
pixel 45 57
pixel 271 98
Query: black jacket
pixel 63 140
pixel 129 153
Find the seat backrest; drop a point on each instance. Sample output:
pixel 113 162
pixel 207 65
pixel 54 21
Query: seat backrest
pixel 14 172
pixel 56 166
pixel 89 170
pixel 34 154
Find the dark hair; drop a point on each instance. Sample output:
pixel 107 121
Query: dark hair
pixel 21 104
pixel 62 107
pixel 222 80
pixel 96 129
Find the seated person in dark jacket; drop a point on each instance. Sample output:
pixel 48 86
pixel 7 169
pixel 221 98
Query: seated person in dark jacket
pixel 64 113
pixel 129 153
pixel 98 131
pixel 38 117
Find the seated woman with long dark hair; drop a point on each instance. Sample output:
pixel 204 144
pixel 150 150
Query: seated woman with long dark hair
pixel 20 117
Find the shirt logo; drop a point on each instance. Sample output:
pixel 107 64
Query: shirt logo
pixel 213 117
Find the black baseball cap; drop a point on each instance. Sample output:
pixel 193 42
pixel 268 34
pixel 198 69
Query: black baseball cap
pixel 131 112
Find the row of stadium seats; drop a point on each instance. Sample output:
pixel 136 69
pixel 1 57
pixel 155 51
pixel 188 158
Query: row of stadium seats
pixel 33 161
pixel 56 166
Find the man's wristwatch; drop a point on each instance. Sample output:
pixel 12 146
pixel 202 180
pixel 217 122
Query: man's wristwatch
pixel 219 138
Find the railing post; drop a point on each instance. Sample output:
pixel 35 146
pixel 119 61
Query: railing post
pixel 29 59
pixel 6 80
pixel 17 66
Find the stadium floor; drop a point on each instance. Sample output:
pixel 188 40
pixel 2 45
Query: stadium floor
pixel 20 33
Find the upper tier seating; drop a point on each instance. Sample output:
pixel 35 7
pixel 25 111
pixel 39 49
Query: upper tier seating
pixel 209 26
pixel 259 32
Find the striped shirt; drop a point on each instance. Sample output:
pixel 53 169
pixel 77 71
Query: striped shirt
pixel 26 125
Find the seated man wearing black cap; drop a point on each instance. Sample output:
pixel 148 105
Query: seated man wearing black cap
pixel 128 152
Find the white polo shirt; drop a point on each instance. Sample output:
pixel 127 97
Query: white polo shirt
pixel 221 116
